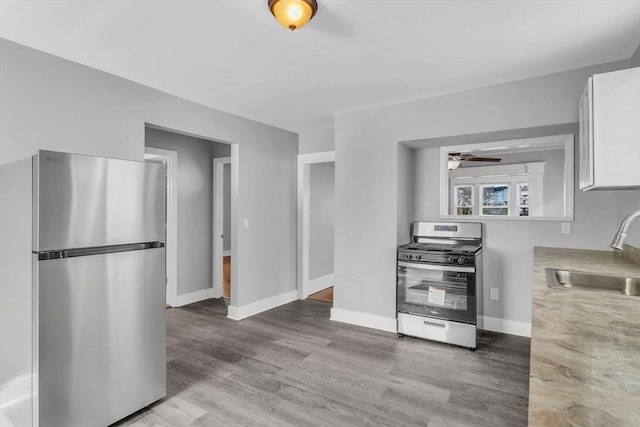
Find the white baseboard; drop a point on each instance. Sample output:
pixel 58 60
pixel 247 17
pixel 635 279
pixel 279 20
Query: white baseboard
pixel 239 313
pixel 226 253
pixel 364 319
pixel 505 326
pixel 316 285
pixel 192 297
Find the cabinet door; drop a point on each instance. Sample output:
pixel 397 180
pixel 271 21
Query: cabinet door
pixel 616 129
pixel 586 138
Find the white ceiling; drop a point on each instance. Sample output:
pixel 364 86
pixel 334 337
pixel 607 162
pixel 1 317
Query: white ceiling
pixel 232 54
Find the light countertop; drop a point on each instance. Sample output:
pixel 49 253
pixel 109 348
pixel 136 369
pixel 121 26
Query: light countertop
pixel 585 346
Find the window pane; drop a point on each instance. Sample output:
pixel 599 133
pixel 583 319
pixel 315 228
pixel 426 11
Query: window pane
pixel 495 199
pixel 495 195
pixel 464 199
pixel 523 199
pixel 464 195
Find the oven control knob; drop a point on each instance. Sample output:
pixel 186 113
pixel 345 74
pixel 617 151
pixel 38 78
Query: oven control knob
pixel 451 260
pixel 409 256
pixel 462 260
pixel 418 257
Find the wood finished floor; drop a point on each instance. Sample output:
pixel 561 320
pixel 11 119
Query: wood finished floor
pixel 325 295
pixel 226 277
pixel 292 366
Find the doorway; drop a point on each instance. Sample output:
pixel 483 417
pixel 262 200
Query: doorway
pixel 222 226
pixel 316 185
pixel 190 244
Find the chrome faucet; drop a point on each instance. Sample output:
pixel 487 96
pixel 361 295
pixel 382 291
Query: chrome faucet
pixel 621 234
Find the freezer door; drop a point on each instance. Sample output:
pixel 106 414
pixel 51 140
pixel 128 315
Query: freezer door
pixel 86 201
pixel 101 337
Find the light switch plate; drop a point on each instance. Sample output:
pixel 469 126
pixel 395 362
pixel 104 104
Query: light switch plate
pixel 494 294
pixel 566 228
pixel 245 223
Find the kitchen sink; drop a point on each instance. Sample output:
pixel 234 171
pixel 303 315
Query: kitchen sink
pixel 567 279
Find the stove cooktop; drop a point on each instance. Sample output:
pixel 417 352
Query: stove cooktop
pixel 440 248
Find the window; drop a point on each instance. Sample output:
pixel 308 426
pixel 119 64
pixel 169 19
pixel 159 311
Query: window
pixel 511 190
pixel 495 199
pixel 464 199
pixel 523 199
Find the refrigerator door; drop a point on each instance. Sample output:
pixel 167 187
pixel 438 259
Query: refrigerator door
pixel 86 201
pixel 101 337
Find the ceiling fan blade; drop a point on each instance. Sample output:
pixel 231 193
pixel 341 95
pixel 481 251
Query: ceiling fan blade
pixel 481 159
pixel 471 158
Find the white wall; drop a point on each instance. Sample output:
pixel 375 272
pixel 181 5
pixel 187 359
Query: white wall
pixel 407 187
pixel 426 175
pixel 316 141
pixel 628 202
pixel 367 176
pixel 321 219
pixel 47 102
pixel 195 200
pixel 16 309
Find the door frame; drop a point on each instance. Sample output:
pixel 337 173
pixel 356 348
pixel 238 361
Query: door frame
pixel 218 223
pixel 304 198
pixel 171 244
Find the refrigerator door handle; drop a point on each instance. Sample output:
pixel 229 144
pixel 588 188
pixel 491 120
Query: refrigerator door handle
pixel 99 250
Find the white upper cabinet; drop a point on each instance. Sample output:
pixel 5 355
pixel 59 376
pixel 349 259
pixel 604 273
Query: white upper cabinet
pixel 610 131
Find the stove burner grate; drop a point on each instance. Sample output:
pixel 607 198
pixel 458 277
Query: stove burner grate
pixel 440 247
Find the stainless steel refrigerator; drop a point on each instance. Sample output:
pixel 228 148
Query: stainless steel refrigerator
pixel 98 265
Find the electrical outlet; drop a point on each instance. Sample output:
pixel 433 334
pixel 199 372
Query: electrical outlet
pixel 495 294
pixel 566 228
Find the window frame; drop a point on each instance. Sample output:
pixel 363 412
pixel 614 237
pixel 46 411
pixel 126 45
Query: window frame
pixel 455 198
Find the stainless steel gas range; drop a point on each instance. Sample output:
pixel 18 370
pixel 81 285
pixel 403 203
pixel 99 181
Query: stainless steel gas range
pixel 439 286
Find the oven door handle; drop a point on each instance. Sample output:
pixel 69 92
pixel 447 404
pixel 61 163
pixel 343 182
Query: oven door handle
pixel 436 267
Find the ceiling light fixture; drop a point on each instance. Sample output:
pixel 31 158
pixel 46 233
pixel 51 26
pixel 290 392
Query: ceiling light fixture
pixel 293 14
pixel 453 164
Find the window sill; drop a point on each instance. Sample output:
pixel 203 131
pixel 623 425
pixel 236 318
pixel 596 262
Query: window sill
pixel 476 218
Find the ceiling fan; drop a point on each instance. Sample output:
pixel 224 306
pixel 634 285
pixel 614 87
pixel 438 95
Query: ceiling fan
pixel 456 159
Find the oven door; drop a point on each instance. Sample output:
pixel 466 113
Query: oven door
pixel 442 291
